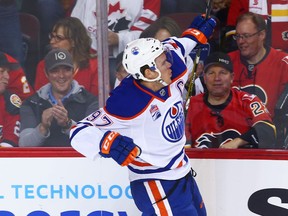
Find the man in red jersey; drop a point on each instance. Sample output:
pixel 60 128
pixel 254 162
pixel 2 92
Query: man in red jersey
pixel 275 12
pixel 18 82
pixel 258 69
pixel 225 117
pixel 9 106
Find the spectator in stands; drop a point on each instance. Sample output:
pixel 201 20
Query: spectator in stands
pixel 126 20
pixel 226 117
pixel 48 13
pixel 70 34
pixel 46 117
pixel 162 28
pixel 121 73
pixel 18 83
pixel 273 11
pixel 258 69
pixel 220 10
pixel 9 106
pixel 11 36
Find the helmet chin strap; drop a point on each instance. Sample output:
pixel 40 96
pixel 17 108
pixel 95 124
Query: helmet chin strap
pixel 162 82
pixel 157 79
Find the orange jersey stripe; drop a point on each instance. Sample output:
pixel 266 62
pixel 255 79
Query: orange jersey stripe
pixel 157 196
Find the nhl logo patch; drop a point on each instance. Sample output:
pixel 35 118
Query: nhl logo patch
pixel 155 112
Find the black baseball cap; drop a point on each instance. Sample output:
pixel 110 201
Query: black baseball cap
pixel 58 57
pixel 218 58
pixel 4 62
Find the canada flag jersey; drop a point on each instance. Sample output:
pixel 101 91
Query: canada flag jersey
pixel 127 18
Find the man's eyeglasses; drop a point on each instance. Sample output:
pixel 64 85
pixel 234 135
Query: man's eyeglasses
pixel 56 37
pixel 245 36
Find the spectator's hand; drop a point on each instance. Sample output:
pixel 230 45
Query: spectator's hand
pixel 47 117
pixel 234 144
pixel 60 114
pixel 199 69
pixel 113 38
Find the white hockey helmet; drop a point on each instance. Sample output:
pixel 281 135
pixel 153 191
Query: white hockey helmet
pixel 139 53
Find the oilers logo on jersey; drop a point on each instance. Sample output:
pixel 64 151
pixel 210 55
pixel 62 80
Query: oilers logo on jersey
pixel 173 124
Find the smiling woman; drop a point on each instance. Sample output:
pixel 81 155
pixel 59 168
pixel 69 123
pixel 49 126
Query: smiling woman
pixel 70 34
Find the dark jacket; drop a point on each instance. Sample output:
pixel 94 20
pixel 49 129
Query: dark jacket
pixel 79 104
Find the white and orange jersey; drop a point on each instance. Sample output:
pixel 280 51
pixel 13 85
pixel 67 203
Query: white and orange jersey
pixel 154 120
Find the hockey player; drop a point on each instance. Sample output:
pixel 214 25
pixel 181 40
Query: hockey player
pixel 142 124
pixel 9 107
pixel 225 117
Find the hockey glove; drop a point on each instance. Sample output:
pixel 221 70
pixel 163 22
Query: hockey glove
pixel 200 29
pixel 121 148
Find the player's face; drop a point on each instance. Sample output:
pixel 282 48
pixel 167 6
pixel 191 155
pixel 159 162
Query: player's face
pixel 218 81
pixel 59 40
pixel 250 40
pixel 61 78
pixel 4 79
pixel 164 67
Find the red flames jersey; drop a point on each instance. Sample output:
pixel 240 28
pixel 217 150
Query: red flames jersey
pixel 211 126
pixel 267 79
pixel 18 83
pixel 9 118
